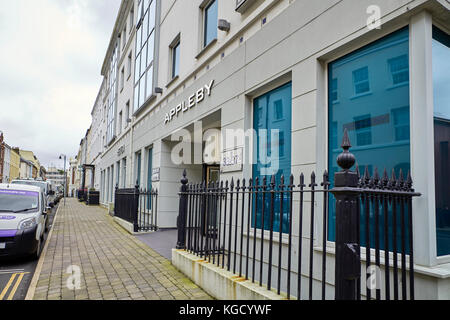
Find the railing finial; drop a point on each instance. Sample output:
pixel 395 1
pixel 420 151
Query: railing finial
pixel 184 180
pixel 346 160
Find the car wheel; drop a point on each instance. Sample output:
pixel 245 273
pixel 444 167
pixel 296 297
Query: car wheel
pixel 37 254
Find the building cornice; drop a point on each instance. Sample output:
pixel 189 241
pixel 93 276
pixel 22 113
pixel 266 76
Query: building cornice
pixel 116 30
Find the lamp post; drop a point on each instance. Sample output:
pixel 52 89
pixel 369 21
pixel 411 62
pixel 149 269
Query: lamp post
pixel 65 179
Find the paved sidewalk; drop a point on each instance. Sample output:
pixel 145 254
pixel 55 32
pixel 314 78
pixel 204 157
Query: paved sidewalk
pixel 114 265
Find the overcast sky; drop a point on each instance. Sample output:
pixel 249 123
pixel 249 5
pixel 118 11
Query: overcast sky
pixel 51 55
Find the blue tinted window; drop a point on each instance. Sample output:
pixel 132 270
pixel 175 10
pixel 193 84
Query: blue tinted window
pixel 138 168
pixel 272 150
pixel 361 80
pixel 377 123
pixel 334 90
pixel 399 68
pixel 210 22
pixel 441 85
pixel 149 176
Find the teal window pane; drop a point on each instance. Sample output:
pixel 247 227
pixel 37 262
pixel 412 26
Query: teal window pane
pixel 334 90
pixel 361 80
pixel 441 87
pixel 377 120
pixel 400 117
pixel 399 68
pixel 210 22
pixel 272 151
pixel 138 169
pixel 149 176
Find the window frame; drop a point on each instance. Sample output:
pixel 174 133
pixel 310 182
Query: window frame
pixel 205 8
pixel 148 40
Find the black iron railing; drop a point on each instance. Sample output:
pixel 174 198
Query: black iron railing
pixel 137 206
pixel 221 222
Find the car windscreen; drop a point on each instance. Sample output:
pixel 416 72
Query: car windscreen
pixel 32 183
pixel 18 201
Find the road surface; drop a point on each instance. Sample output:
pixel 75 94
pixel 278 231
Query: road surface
pixel 16 274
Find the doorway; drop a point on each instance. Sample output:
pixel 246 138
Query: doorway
pixel 211 173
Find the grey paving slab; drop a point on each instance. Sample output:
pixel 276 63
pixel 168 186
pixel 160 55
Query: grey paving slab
pixel 112 264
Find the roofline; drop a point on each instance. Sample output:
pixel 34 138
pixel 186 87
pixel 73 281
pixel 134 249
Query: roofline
pixel 122 9
pixel 98 96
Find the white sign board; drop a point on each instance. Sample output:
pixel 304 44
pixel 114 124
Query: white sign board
pixel 156 174
pixel 232 160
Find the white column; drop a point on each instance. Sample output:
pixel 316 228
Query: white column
pixel 422 137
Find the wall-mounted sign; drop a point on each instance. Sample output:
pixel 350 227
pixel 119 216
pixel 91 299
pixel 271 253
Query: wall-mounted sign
pixel 191 102
pixel 121 151
pixel 156 174
pixel 232 160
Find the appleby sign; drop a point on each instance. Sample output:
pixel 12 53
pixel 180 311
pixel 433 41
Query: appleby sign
pixel 191 102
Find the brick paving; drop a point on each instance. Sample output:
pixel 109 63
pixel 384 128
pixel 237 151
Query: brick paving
pixel 114 264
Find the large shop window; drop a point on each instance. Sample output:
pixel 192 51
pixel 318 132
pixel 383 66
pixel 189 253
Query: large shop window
pixel 369 96
pixel 272 150
pixel 145 47
pixel 138 168
pixel 441 87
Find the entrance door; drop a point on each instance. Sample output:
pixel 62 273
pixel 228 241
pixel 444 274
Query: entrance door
pixel 212 174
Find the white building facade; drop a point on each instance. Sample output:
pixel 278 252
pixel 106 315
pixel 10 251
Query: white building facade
pixel 308 69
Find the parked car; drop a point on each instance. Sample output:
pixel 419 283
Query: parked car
pixel 23 217
pixel 46 188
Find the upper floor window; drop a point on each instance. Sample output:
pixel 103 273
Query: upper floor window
pixel 175 58
pixel 210 22
pixel 127 110
pixel 124 37
pixel 122 78
pixel 131 18
pixel 361 80
pixel 399 67
pixel 120 122
pixel 110 130
pixel 400 118
pixel 145 47
pixel 363 129
pixel 130 64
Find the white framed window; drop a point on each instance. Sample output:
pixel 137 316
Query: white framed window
pixel 210 16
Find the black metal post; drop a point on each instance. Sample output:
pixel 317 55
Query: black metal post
pixel 136 208
pixel 348 263
pixel 182 213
